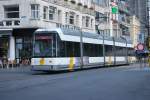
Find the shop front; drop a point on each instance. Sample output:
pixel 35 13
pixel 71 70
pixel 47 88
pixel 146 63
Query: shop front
pixel 23 45
pixel 6 44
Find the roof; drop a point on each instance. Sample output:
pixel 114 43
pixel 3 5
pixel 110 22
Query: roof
pixel 74 35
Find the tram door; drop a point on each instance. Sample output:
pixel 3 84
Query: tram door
pixel 4 46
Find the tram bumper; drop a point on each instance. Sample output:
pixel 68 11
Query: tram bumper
pixel 42 68
pixel 48 67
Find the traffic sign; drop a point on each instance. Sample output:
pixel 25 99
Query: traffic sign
pixel 114 10
pixel 140 46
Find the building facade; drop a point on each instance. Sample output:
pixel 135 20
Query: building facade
pixel 20 18
pixel 135 30
pixel 138 8
pixel 148 14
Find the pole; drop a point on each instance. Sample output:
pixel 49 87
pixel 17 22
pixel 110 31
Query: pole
pixel 126 51
pixel 81 48
pixel 126 48
pixel 114 50
pixel 104 49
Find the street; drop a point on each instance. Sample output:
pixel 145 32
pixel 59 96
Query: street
pixel 114 83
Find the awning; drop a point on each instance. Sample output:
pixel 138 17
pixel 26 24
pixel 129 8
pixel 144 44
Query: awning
pixel 4 32
pixel 23 31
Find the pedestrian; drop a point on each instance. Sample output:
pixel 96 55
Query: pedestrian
pixel 5 61
pixel 1 64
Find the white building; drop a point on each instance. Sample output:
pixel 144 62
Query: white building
pixel 20 18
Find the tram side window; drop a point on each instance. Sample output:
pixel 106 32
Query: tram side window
pixel 92 50
pixel 72 49
pixel 109 50
pixel 131 52
pixel 69 49
pixel 76 49
pixel 120 51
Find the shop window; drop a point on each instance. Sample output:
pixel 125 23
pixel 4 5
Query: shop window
pixel 4 46
pixel 23 47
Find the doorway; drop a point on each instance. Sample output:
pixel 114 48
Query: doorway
pixel 4 46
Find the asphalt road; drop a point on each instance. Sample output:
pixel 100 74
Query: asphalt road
pixel 119 83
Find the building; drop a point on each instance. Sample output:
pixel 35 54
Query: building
pixel 135 29
pixel 148 14
pixel 139 9
pixel 20 18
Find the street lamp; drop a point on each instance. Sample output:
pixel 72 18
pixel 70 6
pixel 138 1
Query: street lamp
pixel 114 49
pixel 97 18
pixel 126 48
pixel 81 47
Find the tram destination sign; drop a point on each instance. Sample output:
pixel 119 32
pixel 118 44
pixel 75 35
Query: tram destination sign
pixel 42 37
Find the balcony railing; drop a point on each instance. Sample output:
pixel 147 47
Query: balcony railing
pixel 7 23
pixel 73 6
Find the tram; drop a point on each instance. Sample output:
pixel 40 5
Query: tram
pixel 59 49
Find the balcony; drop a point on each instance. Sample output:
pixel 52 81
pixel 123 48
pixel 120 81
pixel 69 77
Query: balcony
pixel 74 6
pixel 123 6
pixel 10 23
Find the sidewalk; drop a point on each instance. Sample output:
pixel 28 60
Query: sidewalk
pixel 17 69
pixel 27 68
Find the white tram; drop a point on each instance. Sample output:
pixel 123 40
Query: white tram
pixel 59 49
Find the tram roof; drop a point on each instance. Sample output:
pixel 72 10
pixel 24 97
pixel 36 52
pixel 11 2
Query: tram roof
pixel 69 34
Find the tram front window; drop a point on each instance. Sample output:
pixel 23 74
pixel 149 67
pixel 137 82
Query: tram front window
pixel 43 46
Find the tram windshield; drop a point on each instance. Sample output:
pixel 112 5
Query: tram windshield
pixel 43 46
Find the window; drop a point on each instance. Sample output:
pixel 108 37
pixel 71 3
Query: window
pixel 43 46
pixel 59 15
pixel 77 20
pixel 83 21
pixel 11 11
pixel 87 21
pixel 52 11
pixel 45 10
pixel 35 11
pixel 1 24
pixel 66 17
pixel 71 19
pixel 23 47
pixel 91 23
